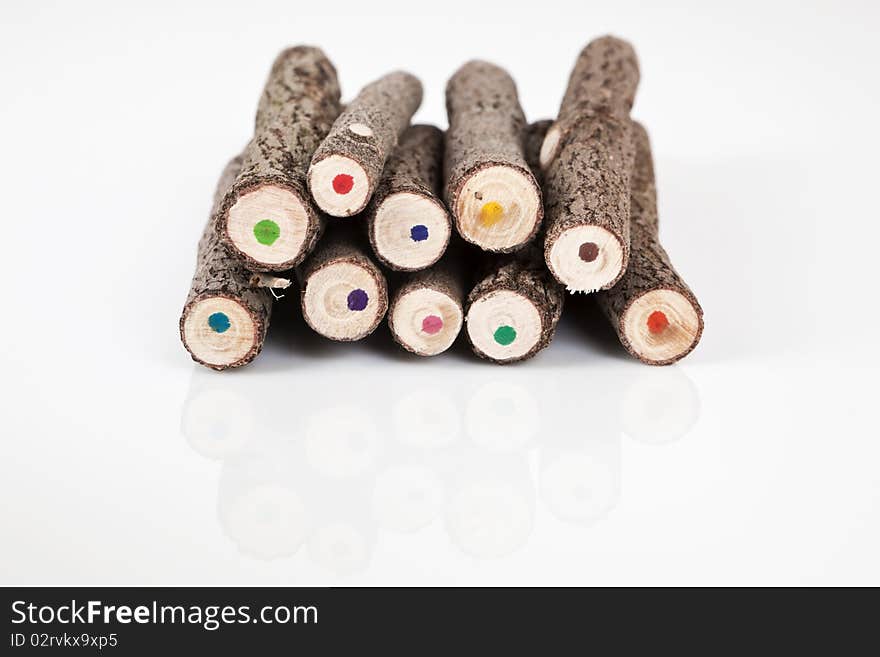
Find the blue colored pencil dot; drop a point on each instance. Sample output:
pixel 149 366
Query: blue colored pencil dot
pixel 418 233
pixel 219 322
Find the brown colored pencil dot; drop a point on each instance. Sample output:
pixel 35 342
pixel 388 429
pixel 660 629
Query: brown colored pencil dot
pixel 588 251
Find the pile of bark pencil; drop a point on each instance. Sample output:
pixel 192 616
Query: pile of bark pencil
pixel 484 227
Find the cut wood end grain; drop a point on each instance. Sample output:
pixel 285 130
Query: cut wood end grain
pixel 425 321
pixel 339 185
pixel 344 300
pixel 219 331
pixel 410 231
pixel 586 258
pixel 662 326
pixel 550 146
pixel 269 225
pixel 498 208
pixel 504 325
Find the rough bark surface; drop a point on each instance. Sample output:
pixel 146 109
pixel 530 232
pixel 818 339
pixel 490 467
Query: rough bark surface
pixel 444 277
pixel 588 180
pixel 385 107
pixel 219 274
pixel 486 125
pixel 299 104
pixel 526 274
pixel 340 243
pixel 604 79
pixel 413 167
pixel 649 266
pixel 533 137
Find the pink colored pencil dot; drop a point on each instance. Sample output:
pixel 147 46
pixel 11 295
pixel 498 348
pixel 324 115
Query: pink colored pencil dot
pixel 343 183
pixel 432 324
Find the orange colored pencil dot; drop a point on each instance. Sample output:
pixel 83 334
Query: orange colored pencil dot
pixel 491 213
pixel 657 322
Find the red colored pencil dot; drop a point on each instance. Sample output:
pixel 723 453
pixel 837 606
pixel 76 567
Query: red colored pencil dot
pixel 657 322
pixel 432 324
pixel 343 183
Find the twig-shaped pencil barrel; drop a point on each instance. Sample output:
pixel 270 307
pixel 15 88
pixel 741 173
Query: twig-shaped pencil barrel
pixel 408 224
pixel 654 312
pixel 269 220
pixel 426 310
pixel 587 159
pixel 512 313
pixel 489 187
pixel 346 167
pixel 225 318
pixel 344 294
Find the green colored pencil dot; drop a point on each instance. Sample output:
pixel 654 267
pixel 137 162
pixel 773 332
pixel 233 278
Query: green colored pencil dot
pixel 504 335
pixel 266 232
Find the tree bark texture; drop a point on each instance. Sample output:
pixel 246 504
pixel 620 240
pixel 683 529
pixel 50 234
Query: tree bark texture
pixel 486 128
pixel 385 107
pixel 300 101
pixel 650 267
pixel 533 137
pixel 414 168
pixel 220 274
pixel 525 274
pixel 587 181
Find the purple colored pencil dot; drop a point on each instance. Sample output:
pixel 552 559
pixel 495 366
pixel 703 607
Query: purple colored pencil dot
pixel 357 299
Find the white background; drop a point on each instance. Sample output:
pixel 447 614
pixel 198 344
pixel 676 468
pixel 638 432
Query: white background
pixel 754 461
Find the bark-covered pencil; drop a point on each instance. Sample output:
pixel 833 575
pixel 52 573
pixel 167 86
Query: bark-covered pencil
pixel 268 218
pixel 489 187
pixel 587 158
pixel 653 311
pixel 344 293
pixel 426 314
pixel 346 167
pixel 511 314
pixel 225 317
pixel 408 224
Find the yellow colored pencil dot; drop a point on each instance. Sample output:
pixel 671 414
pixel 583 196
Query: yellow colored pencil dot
pixel 491 213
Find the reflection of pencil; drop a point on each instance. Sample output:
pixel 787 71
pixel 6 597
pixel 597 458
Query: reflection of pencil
pixel 225 318
pixel 493 195
pixel 491 502
pixel 654 312
pixel 346 166
pixel 262 504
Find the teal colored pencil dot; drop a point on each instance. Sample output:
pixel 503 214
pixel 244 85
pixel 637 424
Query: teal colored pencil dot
pixel 504 335
pixel 266 232
pixel 219 322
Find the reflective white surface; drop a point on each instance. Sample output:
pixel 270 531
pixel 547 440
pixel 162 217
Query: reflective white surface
pixel 754 461
pixel 339 459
